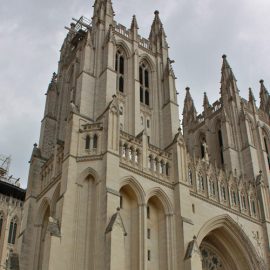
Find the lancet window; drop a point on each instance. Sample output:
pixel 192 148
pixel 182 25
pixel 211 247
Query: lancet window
pixel 1 223
pixel 234 197
pixel 220 144
pixel 144 84
pixel 87 142
pixel 253 207
pixel 266 147
pixel 12 231
pixel 201 182
pixel 91 143
pixel 223 192
pixel 95 141
pixel 120 71
pixel 244 204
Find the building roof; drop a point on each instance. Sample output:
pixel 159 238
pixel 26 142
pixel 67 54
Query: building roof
pixel 12 190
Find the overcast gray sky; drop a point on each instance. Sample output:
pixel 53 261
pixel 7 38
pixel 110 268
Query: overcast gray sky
pixel 199 32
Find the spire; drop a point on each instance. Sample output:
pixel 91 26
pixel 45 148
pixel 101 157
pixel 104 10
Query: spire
pixel 157 33
pixel 264 97
pixel 189 112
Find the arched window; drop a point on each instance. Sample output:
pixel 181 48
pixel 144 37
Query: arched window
pixel 1 223
pixel 87 142
pixel 95 141
pixel 120 70
pixel 201 183
pixel 12 231
pixel 167 169
pixel 144 84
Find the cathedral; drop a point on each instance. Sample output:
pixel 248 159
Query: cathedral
pixel 116 183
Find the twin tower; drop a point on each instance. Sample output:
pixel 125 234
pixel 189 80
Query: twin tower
pixel 114 184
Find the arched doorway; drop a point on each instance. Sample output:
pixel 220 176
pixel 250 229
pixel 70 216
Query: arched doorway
pixel 156 235
pixel 225 246
pixel 130 215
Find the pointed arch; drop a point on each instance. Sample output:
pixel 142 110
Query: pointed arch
pixel 224 228
pixel 43 207
pixel 135 186
pixel 122 45
pixel 145 58
pixel 88 172
pixel 54 200
pixel 164 199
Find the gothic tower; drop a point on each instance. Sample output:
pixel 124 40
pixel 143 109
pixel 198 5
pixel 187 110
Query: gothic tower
pixel 113 183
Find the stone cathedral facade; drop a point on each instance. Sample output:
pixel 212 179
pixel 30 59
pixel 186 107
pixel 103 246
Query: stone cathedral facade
pixel 114 182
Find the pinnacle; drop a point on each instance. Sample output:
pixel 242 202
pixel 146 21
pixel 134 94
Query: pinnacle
pixel 251 96
pixel 156 25
pixel 134 24
pixel 205 100
pixel 226 70
pixel 263 88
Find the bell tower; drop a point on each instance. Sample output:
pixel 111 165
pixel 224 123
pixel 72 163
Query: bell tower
pixel 110 130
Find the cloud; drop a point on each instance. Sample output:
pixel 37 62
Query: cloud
pixel 199 32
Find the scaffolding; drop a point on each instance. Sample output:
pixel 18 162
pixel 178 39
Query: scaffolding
pixel 4 165
pixel 4 171
pixel 79 29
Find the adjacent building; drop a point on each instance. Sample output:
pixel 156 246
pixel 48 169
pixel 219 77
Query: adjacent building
pixel 115 183
pixel 11 209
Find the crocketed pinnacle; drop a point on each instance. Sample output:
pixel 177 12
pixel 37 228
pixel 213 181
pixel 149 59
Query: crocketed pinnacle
pixel 226 70
pixel 264 97
pixel 157 27
pixel 189 112
pixel 206 103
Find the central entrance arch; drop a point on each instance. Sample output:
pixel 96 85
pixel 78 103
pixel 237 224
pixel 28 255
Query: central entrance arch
pixel 224 246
